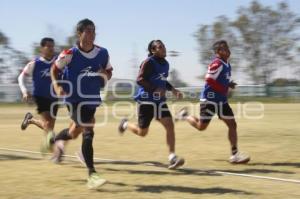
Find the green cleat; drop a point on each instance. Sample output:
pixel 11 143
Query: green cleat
pixel 94 181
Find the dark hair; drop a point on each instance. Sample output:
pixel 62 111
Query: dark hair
pixel 82 24
pixel 217 45
pixel 151 46
pixel 45 40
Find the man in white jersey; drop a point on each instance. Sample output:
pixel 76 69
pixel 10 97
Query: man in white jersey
pixel 39 70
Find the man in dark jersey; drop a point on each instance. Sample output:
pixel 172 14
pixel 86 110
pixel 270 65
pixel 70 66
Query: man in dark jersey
pixel 151 99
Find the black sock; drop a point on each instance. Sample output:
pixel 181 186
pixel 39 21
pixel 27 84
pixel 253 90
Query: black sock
pixel 234 150
pixel 87 150
pixel 63 135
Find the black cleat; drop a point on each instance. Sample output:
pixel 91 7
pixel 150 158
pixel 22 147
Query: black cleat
pixel 25 122
pixel 121 126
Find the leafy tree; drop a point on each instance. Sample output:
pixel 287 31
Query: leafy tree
pixel 269 38
pixel 70 42
pixel 11 61
pixel 3 39
pixel 175 79
pixel 261 38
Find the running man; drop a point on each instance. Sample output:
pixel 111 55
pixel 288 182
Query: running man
pixel 151 99
pixel 39 71
pixel 214 100
pixel 82 67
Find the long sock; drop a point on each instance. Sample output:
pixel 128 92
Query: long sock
pixel 63 135
pixel 52 139
pixel 87 150
pixel 234 150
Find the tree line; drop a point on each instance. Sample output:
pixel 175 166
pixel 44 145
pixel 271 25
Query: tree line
pixel 264 41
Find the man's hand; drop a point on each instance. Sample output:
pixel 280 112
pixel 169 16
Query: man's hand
pixel 177 93
pixel 232 84
pixel 27 97
pixel 59 91
pixel 107 73
pixel 161 92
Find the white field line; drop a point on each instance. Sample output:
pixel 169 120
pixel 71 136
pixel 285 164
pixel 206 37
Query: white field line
pixel 112 160
pixel 259 177
pixel 68 156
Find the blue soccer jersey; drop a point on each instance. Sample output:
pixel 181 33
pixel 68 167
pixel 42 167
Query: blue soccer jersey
pixel 217 82
pixel 39 70
pixel 156 78
pixel 82 71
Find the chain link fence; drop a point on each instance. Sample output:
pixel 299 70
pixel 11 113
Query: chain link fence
pixel 115 89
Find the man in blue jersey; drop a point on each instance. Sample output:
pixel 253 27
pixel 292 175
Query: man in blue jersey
pixel 39 71
pixel 151 99
pixel 82 67
pixel 214 100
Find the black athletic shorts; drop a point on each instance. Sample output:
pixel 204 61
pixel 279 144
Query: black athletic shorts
pixel 209 109
pixel 81 115
pixel 146 112
pixel 44 105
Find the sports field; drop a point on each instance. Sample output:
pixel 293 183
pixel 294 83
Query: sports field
pixel 136 167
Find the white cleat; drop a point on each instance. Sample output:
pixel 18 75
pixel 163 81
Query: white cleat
pixel 95 181
pixel 176 162
pixel 181 114
pixel 239 158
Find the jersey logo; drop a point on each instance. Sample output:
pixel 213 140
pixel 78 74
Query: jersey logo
pixel 88 72
pixel 162 77
pixel 227 76
pixel 45 72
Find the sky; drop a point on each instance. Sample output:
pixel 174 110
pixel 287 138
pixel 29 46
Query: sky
pixel 124 27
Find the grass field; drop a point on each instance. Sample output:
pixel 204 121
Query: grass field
pixel 273 142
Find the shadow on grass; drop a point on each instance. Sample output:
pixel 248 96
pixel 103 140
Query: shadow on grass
pixel 172 188
pixel 288 164
pixel 160 189
pixel 251 171
pixel 84 181
pixel 146 163
pixel 152 163
pixel 197 172
pixel 6 157
pixel 119 187
pixel 177 172
pixel 191 190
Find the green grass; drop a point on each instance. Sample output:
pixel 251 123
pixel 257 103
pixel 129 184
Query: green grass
pixel 272 142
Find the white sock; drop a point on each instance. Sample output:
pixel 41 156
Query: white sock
pixel 184 116
pixel 171 156
pixel 60 144
pixel 125 125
